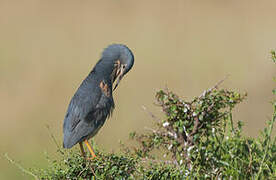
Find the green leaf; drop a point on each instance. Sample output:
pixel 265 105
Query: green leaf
pixel 274 91
pixel 273 56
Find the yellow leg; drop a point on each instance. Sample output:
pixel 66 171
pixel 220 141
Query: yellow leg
pixel 90 148
pixel 82 150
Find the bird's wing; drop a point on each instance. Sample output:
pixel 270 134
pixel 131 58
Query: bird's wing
pixel 83 102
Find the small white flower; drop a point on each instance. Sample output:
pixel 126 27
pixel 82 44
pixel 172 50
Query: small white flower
pixel 171 134
pixel 204 93
pixel 187 173
pixel 184 129
pixel 175 136
pixel 185 144
pixel 194 114
pixel 170 147
pixel 227 138
pixel 165 124
pixel 187 106
pixel 185 110
pixel 213 130
pixel 181 161
pixel 189 150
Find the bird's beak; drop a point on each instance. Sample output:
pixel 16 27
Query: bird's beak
pixel 119 76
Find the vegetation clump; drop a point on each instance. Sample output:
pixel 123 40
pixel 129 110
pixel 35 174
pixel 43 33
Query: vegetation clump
pixel 106 166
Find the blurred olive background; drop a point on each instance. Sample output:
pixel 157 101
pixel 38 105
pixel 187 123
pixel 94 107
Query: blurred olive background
pixel 48 47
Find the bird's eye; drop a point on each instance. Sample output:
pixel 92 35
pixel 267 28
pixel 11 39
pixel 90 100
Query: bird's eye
pixel 124 66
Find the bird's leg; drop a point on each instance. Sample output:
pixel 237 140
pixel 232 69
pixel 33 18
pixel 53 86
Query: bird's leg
pixel 90 148
pixel 82 150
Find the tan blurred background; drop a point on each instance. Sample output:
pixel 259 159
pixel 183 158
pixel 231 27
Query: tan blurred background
pixel 48 47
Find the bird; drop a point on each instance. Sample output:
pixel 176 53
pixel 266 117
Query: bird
pixel 93 101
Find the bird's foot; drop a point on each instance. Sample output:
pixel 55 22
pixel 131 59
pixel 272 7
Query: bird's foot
pixel 91 158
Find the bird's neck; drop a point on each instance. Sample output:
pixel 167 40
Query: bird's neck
pixel 102 71
pixel 104 68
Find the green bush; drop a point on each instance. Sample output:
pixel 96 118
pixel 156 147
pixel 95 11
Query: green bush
pixel 105 166
pixel 202 141
pixel 196 139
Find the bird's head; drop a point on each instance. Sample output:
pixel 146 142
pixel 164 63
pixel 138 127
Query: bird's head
pixel 122 61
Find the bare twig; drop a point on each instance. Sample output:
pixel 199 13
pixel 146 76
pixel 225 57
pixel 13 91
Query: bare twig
pixel 150 129
pixel 220 82
pixel 195 129
pixel 20 167
pixel 151 114
pixel 250 157
pixel 93 172
pixel 215 86
pixel 268 142
pixel 169 133
pixel 54 139
pixel 160 161
pixel 81 172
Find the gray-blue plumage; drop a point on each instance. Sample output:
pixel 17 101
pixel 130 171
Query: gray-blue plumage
pixel 93 101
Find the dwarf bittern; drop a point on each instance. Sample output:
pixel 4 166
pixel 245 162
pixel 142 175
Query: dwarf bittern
pixel 93 102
